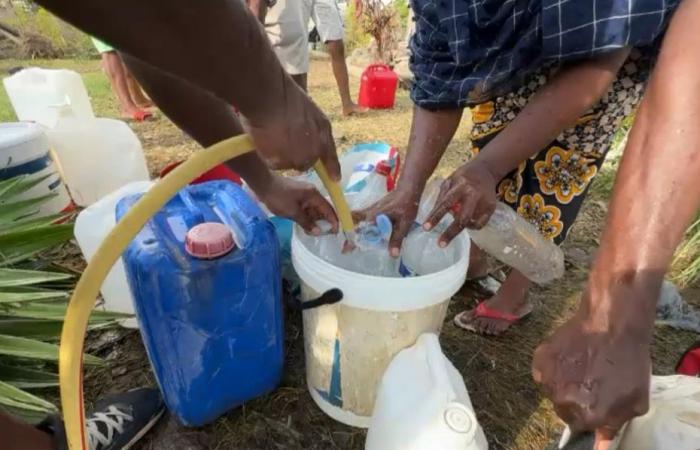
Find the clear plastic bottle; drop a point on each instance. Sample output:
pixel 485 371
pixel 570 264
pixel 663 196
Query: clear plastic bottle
pixel 371 255
pixel 516 242
pixel 421 255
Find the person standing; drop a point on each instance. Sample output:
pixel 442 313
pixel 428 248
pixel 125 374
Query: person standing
pixel 326 15
pixel 133 103
pixel 286 29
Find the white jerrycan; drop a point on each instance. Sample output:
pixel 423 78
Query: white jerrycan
pixel 423 404
pixel 36 93
pixel 91 227
pixel 673 420
pixel 96 156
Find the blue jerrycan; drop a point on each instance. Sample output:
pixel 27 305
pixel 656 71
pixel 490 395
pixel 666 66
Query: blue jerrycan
pixel 205 276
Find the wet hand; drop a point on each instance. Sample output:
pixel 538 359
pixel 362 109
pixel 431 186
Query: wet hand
pixel 298 201
pixel 596 374
pixel 470 194
pixel 295 134
pixel 401 206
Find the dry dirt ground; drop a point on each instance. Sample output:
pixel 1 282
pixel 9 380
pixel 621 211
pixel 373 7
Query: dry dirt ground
pixel 496 370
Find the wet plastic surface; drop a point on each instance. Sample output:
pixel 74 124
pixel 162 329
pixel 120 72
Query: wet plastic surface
pixel 213 329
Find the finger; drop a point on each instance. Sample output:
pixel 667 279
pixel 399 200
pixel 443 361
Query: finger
pixel 306 221
pixel 466 211
pixel 442 206
pixel 401 229
pixel 604 438
pixel 450 233
pixel 321 209
pixel 483 214
pixel 365 215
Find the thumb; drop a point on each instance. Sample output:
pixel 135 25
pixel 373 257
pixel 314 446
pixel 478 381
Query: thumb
pixel 604 438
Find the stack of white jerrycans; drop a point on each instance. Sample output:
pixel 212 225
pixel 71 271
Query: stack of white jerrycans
pixel 94 156
pixel 374 359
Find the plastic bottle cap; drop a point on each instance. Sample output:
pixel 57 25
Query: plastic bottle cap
pixel 384 225
pixel 209 240
pixel 459 418
pixel 383 168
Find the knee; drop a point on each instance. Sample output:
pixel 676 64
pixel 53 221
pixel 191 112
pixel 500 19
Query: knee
pixel 336 48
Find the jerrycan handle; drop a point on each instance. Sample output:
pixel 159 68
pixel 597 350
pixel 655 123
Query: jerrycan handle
pixel 194 216
pixel 377 67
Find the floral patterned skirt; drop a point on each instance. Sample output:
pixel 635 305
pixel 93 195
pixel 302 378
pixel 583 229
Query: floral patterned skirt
pixel 549 188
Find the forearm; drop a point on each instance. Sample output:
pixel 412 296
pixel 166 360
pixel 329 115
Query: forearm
pixel 656 194
pixel 431 132
pixel 216 44
pixel 554 108
pixel 205 117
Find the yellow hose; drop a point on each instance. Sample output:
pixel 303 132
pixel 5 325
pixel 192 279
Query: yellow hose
pixel 85 294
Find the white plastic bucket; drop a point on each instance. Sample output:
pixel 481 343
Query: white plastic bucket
pixel 24 150
pixel 36 94
pixel 349 345
pixel 91 228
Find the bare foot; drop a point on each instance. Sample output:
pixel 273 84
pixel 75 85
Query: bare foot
pixel 136 114
pixel 469 320
pixel 352 109
pixel 510 301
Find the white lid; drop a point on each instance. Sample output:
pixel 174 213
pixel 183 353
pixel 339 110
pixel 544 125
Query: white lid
pixel 21 142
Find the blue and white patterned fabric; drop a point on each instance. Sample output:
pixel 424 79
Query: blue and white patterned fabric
pixel 465 51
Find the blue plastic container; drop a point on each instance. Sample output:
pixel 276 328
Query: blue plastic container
pixel 213 328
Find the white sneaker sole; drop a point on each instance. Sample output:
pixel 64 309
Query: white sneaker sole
pixel 144 430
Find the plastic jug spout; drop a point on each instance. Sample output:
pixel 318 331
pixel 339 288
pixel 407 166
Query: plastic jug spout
pixel 64 110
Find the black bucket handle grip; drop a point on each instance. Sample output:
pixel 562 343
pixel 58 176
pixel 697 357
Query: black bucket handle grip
pixel 329 297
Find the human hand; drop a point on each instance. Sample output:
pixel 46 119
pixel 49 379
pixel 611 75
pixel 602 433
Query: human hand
pixel 596 367
pixel 295 134
pixel 470 194
pixel 401 206
pixel 298 201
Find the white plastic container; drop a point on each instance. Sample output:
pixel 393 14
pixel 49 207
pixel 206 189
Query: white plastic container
pixel 96 156
pixel 36 94
pixel 672 422
pixel 24 150
pixel 348 345
pixel 91 227
pixel 423 404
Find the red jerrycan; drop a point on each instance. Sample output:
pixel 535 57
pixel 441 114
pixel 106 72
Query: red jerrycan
pixel 378 87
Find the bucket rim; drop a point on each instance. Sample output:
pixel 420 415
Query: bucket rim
pixel 373 292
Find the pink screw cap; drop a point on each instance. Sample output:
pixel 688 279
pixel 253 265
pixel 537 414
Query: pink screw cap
pixel 209 240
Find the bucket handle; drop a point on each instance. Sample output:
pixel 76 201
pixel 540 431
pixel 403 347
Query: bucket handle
pixel 329 297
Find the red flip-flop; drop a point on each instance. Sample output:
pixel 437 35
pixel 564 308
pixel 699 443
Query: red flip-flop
pixel 141 115
pixel 483 311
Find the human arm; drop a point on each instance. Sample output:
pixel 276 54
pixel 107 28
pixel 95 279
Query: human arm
pixel 219 46
pixel 209 120
pixel 258 8
pixel 554 108
pixel 596 367
pixel 431 132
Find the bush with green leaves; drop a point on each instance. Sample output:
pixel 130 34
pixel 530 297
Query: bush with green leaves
pixel 33 301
